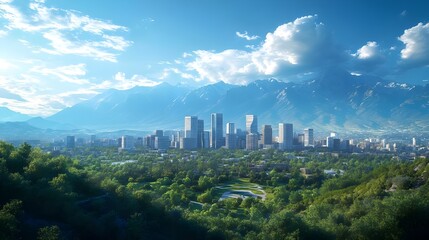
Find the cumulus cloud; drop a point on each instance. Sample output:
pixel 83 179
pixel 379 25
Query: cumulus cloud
pixel 368 58
pixel 416 51
pixel 368 51
pixel 295 47
pixel 246 36
pixel 64 30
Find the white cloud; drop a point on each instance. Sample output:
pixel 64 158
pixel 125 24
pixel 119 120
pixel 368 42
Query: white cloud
pixel 167 72
pixel 2 33
pixel 295 47
pixel 61 45
pixel 246 36
pixel 368 51
pixel 6 65
pixel 69 74
pixel 120 82
pixel 416 51
pixel 68 32
pixel 229 66
pixel 37 92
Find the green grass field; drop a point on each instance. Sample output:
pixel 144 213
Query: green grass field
pixel 242 184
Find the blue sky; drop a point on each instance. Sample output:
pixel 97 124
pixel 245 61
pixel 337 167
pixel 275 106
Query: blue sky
pixel 55 54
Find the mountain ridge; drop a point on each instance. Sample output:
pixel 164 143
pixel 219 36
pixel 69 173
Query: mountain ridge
pixel 336 101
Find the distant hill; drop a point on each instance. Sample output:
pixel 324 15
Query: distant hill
pixel 336 101
pixel 7 115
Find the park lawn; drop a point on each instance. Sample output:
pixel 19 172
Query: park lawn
pixel 237 185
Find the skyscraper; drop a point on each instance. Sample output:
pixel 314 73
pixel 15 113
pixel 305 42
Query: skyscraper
pixel 251 124
pixel 127 142
pixel 230 128
pixel 216 137
pixel 70 142
pixel 200 134
pixel 252 141
pixel 191 133
pixel 191 127
pixel 231 136
pixel 267 135
pixel 285 136
pixel 308 137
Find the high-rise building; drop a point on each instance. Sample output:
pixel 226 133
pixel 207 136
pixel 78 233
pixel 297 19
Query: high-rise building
pixel 206 139
pixel 191 127
pixel 162 142
pixel 159 141
pixel 200 134
pixel 252 141
pixel 230 128
pixel 267 135
pixel 308 137
pixel 285 136
pixel 231 141
pixel 330 142
pixel 241 139
pixel 300 139
pixel 191 133
pixel 70 142
pixel 216 137
pixel 251 124
pixel 127 142
pixel 158 133
pixel 231 136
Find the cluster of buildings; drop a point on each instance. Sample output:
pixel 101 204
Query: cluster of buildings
pixel 194 136
pixel 219 135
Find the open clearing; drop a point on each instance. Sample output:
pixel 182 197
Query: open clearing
pixel 240 188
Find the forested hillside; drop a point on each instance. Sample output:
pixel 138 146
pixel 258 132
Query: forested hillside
pixel 102 194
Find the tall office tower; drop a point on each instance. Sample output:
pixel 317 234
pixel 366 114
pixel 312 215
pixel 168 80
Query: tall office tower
pixel 285 136
pixel 127 142
pixel 414 141
pixel 230 128
pixel 330 142
pixel 159 133
pixel 70 142
pixel 267 135
pixel 200 134
pixel 191 127
pixel 231 136
pixel 206 139
pixel 93 139
pixel 231 141
pixel 162 142
pixel 252 141
pixel 216 137
pixel 191 133
pixel 241 138
pixel 301 139
pixel 308 137
pixel 251 124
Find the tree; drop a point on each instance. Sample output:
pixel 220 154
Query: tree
pixel 49 233
pixel 9 224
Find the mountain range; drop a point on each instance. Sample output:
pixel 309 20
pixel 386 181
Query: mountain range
pixel 335 101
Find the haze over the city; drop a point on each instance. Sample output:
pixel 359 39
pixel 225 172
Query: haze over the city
pixel 55 54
